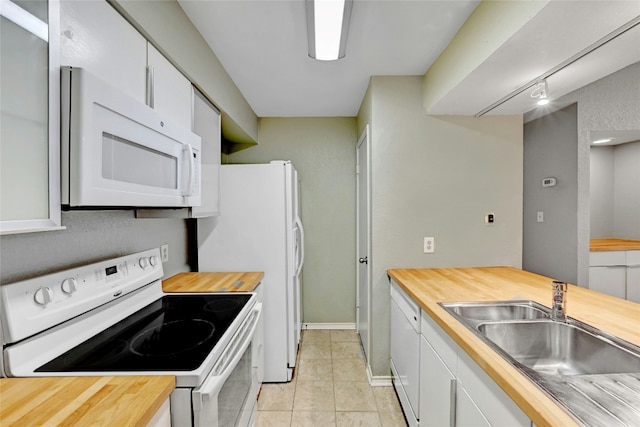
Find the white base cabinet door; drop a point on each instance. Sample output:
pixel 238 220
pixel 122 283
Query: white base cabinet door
pixel 467 413
pixel 609 280
pixel 437 389
pixel 455 391
pixel 633 276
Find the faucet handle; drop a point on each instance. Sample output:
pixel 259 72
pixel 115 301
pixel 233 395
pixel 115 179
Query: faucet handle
pixel 559 286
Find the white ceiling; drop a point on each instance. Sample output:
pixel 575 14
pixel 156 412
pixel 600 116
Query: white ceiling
pixel 263 46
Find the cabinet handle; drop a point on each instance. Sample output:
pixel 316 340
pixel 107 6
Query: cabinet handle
pixel 150 98
pixel 452 403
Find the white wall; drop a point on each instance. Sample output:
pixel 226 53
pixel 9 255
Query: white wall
pixel 601 187
pixel 323 152
pixel 626 209
pixel 615 191
pixel 436 176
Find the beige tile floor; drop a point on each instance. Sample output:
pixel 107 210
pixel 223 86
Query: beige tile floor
pixel 329 388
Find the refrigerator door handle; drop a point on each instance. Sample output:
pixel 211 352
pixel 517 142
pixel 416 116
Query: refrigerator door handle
pixel 301 256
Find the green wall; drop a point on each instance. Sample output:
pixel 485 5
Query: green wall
pixel 323 152
pixel 436 176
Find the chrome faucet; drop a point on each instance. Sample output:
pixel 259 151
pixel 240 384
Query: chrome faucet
pixel 559 301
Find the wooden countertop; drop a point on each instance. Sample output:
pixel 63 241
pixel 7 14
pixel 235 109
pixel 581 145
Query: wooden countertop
pixel 599 245
pixel 430 286
pixel 213 282
pixel 83 401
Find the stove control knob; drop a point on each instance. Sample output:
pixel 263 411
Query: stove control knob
pixel 144 263
pixel 43 296
pixel 69 285
pixel 153 260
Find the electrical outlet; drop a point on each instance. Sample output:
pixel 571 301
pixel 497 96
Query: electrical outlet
pixel 540 216
pixel 164 252
pixel 429 245
pixel 489 219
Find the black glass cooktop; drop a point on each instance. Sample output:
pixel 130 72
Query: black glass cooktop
pixel 174 333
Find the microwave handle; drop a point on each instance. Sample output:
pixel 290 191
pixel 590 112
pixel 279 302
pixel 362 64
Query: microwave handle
pixel 234 351
pixel 191 186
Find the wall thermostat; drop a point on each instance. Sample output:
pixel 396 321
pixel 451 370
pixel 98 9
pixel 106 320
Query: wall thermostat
pixel 549 182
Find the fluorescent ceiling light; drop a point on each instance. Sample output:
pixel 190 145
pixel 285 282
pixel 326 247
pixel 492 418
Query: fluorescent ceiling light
pixel 327 28
pixel 602 141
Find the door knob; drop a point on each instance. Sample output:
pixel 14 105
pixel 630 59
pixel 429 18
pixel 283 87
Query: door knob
pixel 364 260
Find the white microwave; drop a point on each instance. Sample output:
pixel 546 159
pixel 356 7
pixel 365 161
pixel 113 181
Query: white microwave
pixel 119 153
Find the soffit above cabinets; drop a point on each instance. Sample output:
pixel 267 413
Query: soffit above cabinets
pixel 560 31
pixel 615 136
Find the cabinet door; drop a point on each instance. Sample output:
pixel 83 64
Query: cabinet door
pixel 467 413
pixel 633 276
pixel 496 406
pixel 609 280
pixel 30 117
pixel 437 389
pixel 633 283
pixel 169 91
pixel 206 124
pixel 97 38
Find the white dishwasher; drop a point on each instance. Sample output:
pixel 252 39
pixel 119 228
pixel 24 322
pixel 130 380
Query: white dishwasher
pixel 405 351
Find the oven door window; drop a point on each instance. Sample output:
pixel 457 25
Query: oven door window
pixel 227 399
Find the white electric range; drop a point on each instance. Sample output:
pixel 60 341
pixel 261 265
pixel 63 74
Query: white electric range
pixel 112 318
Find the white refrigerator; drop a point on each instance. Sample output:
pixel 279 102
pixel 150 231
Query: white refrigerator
pixel 259 229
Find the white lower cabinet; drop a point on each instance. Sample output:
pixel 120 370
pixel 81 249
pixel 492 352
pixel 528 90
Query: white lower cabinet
pixel 405 352
pixel 633 276
pixel 437 389
pixel 615 273
pixel 467 414
pixel 454 390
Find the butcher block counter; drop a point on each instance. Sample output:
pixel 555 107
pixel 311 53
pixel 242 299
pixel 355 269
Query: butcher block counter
pixel 213 282
pixel 83 401
pixel 430 286
pixel 600 245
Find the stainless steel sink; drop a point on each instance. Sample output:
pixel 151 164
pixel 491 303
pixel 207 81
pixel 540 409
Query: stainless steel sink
pixel 555 348
pixel 498 310
pixel 594 375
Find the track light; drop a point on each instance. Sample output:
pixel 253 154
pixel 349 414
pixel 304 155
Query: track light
pixel 327 28
pixel 540 93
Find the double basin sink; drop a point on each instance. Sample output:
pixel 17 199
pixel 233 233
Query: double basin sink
pixel 567 358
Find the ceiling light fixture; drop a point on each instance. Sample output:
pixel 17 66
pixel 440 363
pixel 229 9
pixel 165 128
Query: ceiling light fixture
pixel 539 92
pixel 602 141
pixel 327 28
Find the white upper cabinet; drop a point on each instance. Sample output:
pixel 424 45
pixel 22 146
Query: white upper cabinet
pixel 168 90
pixel 206 124
pixel 30 117
pixel 97 38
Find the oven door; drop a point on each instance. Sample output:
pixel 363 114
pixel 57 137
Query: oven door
pixel 228 396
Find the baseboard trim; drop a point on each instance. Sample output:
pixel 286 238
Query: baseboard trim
pixel 379 380
pixel 328 326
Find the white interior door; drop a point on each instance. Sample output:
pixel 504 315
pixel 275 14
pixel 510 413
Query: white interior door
pixel 363 215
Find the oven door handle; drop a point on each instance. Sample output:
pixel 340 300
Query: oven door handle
pixel 228 360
